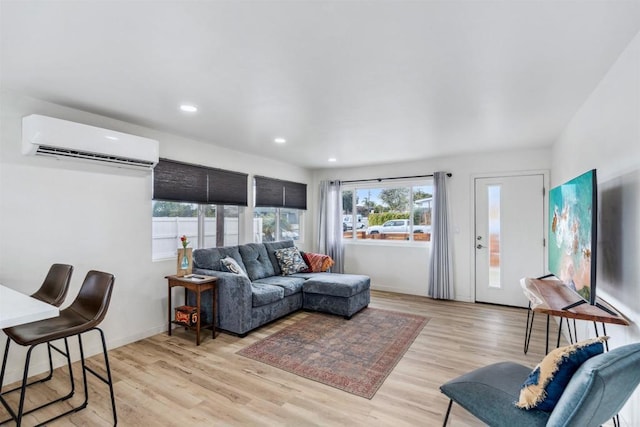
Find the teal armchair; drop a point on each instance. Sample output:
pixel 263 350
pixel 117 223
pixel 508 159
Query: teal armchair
pixel 595 394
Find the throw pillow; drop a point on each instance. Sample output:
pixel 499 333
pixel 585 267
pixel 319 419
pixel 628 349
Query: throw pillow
pixel 544 385
pixel 317 262
pixel 290 261
pixel 232 266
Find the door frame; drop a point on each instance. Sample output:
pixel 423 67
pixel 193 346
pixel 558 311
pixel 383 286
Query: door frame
pixel 472 220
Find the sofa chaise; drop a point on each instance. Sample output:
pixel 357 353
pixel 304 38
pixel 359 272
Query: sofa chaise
pixel 259 293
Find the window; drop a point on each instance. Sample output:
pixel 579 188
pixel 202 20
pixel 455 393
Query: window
pixel 388 212
pixel 226 225
pixel 278 212
pixel 273 224
pixel 171 220
pixel 196 201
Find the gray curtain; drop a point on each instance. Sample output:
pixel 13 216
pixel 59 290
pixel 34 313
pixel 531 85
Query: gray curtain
pixel 441 265
pixel 330 223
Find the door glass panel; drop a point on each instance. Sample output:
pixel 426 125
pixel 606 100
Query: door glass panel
pixel 493 192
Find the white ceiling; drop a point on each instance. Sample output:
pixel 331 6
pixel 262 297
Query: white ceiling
pixel 366 82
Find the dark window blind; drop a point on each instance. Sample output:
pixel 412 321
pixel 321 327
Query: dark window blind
pixel 276 193
pixel 269 192
pixel 295 195
pixel 184 182
pixel 179 182
pixel 227 187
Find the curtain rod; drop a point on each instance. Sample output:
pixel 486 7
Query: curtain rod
pixel 391 178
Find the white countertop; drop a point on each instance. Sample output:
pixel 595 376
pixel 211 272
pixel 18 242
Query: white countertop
pixel 17 308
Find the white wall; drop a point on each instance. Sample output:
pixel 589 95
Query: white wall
pixel 96 217
pixel 400 268
pixel 605 134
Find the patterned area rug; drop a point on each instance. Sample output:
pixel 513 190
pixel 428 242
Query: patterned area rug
pixel 353 355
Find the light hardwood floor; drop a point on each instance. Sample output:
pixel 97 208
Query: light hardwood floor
pixel 168 381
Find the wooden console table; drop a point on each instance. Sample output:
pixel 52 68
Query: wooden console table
pixel 197 285
pixel 550 296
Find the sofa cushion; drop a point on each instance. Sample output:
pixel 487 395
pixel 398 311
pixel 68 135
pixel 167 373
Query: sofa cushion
pixel 256 261
pixel 209 259
pixel 338 285
pixel 265 294
pixel 290 261
pixel 291 285
pixel 271 248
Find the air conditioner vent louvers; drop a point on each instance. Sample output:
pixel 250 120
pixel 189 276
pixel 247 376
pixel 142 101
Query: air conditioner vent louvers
pixel 53 151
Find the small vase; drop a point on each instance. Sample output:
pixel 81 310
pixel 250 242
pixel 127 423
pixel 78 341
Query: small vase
pixel 185 260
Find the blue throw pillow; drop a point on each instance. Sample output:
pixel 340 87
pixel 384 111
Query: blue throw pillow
pixel 546 383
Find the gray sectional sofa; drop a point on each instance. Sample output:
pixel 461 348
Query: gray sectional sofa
pixel 246 302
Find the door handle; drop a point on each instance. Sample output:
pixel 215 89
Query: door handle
pixel 480 246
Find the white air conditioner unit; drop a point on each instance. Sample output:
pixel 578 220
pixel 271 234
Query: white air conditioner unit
pixel 47 136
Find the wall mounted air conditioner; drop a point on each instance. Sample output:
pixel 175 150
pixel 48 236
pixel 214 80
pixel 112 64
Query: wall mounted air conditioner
pixel 47 136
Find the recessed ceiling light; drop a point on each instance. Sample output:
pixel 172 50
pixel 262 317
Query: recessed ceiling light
pixel 279 140
pixel 333 159
pixel 188 108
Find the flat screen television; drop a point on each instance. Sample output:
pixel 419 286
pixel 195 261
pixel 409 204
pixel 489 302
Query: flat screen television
pixel 573 236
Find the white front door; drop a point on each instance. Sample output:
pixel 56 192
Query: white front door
pixel 509 232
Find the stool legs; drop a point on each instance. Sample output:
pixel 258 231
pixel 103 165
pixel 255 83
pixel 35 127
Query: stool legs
pixel 2 370
pixel 17 416
pixel 24 384
pixel 108 380
pixel 50 374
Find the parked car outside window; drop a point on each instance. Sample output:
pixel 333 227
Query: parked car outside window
pixel 397 226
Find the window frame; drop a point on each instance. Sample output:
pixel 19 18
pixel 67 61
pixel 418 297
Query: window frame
pixel 409 184
pixel 201 229
pixel 279 195
pixel 278 219
pixel 179 182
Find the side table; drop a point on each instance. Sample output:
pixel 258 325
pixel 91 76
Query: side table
pixel 196 284
pixel 551 297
